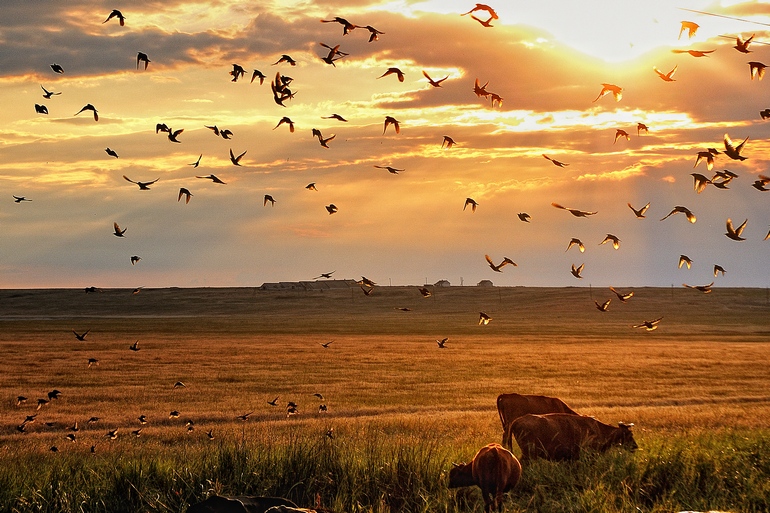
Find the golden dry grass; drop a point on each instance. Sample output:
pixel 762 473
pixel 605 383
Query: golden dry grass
pixel 235 349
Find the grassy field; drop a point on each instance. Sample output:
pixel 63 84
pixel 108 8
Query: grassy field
pixel 400 408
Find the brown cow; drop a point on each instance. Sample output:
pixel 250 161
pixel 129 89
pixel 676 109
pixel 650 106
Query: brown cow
pixel 512 406
pixel 561 436
pixel 494 469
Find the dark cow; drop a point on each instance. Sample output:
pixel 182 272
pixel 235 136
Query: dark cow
pixel 241 504
pixel 562 436
pixel 512 406
pixel 493 469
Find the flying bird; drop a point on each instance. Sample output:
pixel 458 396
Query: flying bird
pixel 484 319
pixel 603 307
pixel 118 232
pixel 19 199
pixel 732 151
pixel 331 208
pixel 143 186
pixel 134 347
pixel 690 26
pixel 621 133
pixel 695 53
pixel 237 72
pixel 173 134
pixel 41 109
pixel 325 141
pixel 575 212
pixel 666 77
pixel 392 170
pixel 390 71
pixel 57 69
pixel 325 275
pixel 81 336
pixel 258 74
pixel 498 268
pixel 116 14
pixel 757 69
pixel 186 193
pixel 649 325
pixel 743 46
pixel 374 34
pixel 685 260
pixel 92 361
pixel 287 59
pixel 699 182
pixel 90 107
pixel 735 233
pixel 236 160
pixel 576 242
pixel 709 158
pixel 48 94
pixel 480 90
pixel 764 114
pixel 639 213
pixel 111 152
pixel 641 127
pixel 483 7
pixel 391 121
pixel 142 57
pixel 346 25
pixel 311 186
pixel 213 178
pixel 621 296
pixel 577 270
pixel 523 216
pixel 245 416
pixel 442 343
pixel 197 162
pixel 611 238
pixel 719 269
pixel 434 83
pixel 135 259
pixel 761 182
pixel 448 142
pixel 616 91
pixel 706 289
pixel 335 116
pixel 325 345
pixel 484 23
pixel 268 198
pixel 554 161
pixel 681 210
pixel 472 203
pixel 288 122
pixel 425 292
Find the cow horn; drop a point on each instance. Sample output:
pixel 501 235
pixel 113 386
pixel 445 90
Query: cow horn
pixel 623 424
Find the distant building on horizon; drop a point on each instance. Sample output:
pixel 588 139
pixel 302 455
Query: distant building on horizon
pixel 485 283
pixel 442 283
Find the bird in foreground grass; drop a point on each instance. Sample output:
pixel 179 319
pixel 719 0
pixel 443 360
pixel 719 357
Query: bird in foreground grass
pixel 326 345
pixel 274 402
pixel 425 292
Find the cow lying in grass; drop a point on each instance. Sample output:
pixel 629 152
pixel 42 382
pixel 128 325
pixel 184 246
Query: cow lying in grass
pixel 493 469
pixel 562 436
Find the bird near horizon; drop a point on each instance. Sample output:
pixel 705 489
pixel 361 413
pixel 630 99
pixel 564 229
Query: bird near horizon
pixel 603 307
pixel 81 336
pixel 498 267
pixel 274 402
pixel 325 345
pixel 325 275
pixel 134 346
pixel 706 289
pixel 718 269
pixel 576 271
pixel 685 260
pixel 623 297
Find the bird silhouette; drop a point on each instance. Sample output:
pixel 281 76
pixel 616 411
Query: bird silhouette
pixel 484 23
pixel 690 26
pixel 498 267
pixel 173 134
pixel 706 289
pixel 685 260
pixel 325 345
pixel 577 270
pixel 448 142
pixel 142 57
pixel 392 170
pixel 442 343
pixel 424 292
pixel 732 151
pixel 757 69
pixel 639 213
pixel 161 127
pixel 197 162
pixel 41 109
pixel 743 46
pixel 708 157
pixel 258 74
pixel 483 7
pixel 391 71
pixel 347 27
pixel 331 208
pixel 374 34
pixel 681 210
pixel 244 417
pixel 116 14
pixel 472 203
pixel 695 53
pixel 666 77
pixel 143 186
pixel 324 275
pixel 111 152
pixel 761 182
pixel 236 160
pixel 268 198
pixel 611 238
pixel 81 336
pixel 641 127
pixel 523 216
pixel 434 83
pixel 484 319
pixel 186 193
pixel 554 161
pixel 288 122
pixel 335 116
pixel 575 212
pixel 90 107
pixel 719 269
pixel 237 72
pixel 118 232
pixel 699 182
pixel 764 114
pixel 311 187
pixel 621 133
pixel 57 69
pixel 389 120
pixel 324 142
pixel 92 361
pixel 623 297
pixel 480 90
pixel 576 242
pixel 48 94
pixel 649 325
pixel 134 346
pixel 213 178
pixel 287 59
pixel 616 91
pixel 735 233
pixel 603 307
pixel 19 199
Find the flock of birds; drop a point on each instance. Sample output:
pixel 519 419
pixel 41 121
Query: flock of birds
pixel 281 87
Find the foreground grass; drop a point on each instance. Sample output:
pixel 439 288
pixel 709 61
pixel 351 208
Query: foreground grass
pixel 365 471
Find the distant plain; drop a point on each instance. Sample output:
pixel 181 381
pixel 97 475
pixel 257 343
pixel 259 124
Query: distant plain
pixel 703 370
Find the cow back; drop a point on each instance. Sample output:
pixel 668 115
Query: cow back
pixel 495 469
pixel 512 406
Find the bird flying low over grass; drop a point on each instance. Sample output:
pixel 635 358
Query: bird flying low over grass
pixel 706 289
pixel 603 307
pixel 649 325
pixel 498 267
pixel 424 292
pixel 575 212
pixel 442 343
pixel 81 336
pixel 484 319
pixel 623 297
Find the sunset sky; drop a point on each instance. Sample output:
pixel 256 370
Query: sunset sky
pixel 546 59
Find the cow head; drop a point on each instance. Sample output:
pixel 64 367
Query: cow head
pixel 625 438
pixel 461 475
